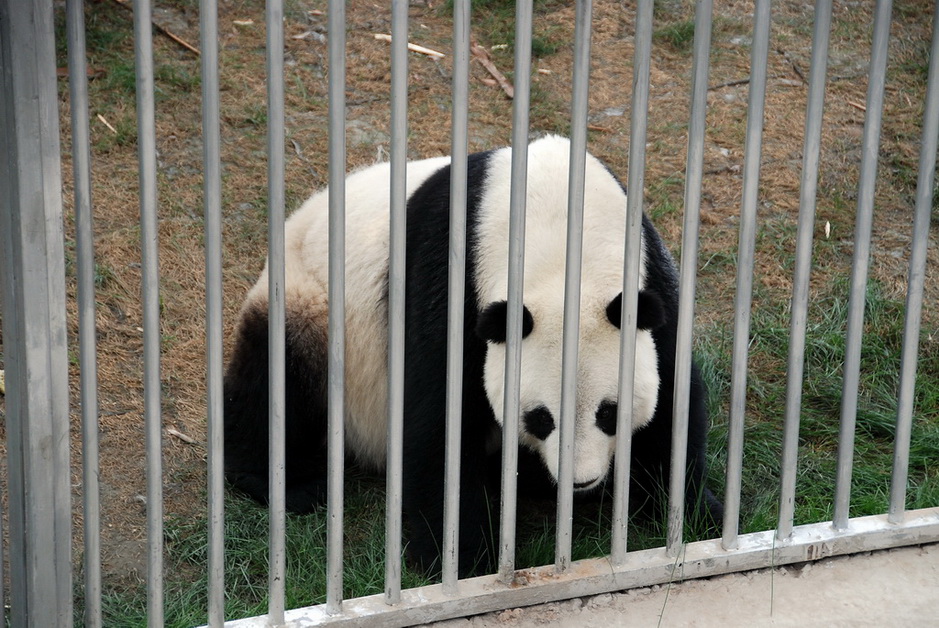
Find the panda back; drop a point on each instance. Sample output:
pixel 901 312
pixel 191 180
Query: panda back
pixel 367 216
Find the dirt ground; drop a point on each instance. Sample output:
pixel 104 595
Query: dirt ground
pixel 242 32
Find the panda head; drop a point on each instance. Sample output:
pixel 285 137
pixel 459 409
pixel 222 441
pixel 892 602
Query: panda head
pixel 597 375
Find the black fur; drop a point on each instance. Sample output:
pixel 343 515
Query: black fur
pixel 606 417
pixel 246 411
pixel 650 313
pixel 539 422
pixel 425 384
pixel 493 322
pixel 651 444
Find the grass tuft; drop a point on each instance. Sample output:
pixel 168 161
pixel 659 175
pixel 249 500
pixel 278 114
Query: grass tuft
pixel 680 36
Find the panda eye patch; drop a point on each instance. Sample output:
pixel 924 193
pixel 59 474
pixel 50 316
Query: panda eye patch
pixel 650 312
pixel 493 320
pixel 539 422
pixel 614 311
pixel 606 418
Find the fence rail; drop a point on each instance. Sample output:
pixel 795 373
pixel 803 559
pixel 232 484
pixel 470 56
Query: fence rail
pixel 35 351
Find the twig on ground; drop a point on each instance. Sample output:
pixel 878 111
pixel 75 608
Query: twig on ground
pixel 106 123
pixel 482 56
pixel 729 84
pixel 163 30
pixel 183 437
pixel 737 82
pixel 116 412
pixel 90 72
pixel 298 150
pixel 413 47
pixel 795 66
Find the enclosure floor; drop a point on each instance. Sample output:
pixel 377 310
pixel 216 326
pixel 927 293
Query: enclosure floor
pixel 897 587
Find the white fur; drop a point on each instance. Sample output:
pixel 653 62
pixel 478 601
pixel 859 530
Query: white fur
pixel 307 250
pixel 602 279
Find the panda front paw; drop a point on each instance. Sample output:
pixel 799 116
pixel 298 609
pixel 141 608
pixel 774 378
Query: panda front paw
pixel 425 557
pixel 305 498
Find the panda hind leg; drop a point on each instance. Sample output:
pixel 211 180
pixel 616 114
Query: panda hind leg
pixel 246 407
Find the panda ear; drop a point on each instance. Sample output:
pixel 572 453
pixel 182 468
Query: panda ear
pixel 650 313
pixel 493 321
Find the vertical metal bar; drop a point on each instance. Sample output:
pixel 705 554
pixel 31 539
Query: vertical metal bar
pixel 3 570
pixel 337 300
pixel 689 247
pixel 513 352
pixel 274 17
pixel 212 200
pixel 396 285
pixel 575 233
pixel 81 165
pixel 676 492
pixel 457 292
pixel 32 285
pixel 917 276
pixel 150 286
pixel 870 146
pixel 631 261
pixel 745 252
pixel 800 282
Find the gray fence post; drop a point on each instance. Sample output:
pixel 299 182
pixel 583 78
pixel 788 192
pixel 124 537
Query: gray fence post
pixel 32 260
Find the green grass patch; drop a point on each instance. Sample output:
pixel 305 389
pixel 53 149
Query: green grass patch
pixel 175 79
pixel 246 561
pixel 123 135
pixel 547 110
pixel 246 555
pixel 493 21
pixel 679 36
pixel 666 197
pixel 821 408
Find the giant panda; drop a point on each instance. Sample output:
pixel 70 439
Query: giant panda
pixel 367 237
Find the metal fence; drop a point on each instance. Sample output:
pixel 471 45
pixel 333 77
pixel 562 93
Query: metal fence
pixel 39 511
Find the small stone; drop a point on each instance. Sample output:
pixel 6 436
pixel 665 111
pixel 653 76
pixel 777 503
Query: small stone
pixel 600 601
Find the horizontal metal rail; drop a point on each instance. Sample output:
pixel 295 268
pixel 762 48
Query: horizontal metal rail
pixel 641 568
